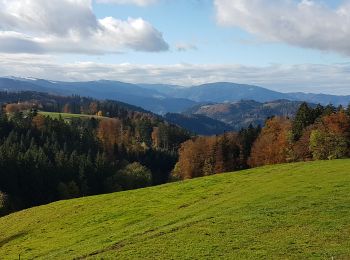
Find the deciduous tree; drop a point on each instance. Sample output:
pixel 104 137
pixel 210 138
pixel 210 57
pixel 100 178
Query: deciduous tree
pixel 273 144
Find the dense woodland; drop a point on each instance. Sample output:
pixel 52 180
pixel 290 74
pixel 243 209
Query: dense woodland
pixel 322 133
pixel 44 159
pixel 202 156
pixel 315 133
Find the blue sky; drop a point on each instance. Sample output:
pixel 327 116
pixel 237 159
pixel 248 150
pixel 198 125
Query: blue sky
pixel 285 45
pixel 194 22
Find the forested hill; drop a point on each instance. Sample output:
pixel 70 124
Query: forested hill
pixel 59 103
pixel 105 146
pixel 199 124
pixel 242 113
pixel 148 99
pixel 165 98
pixel 54 147
pixel 319 133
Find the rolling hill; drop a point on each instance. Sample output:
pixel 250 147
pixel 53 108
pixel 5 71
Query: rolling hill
pixel 68 116
pixel 242 113
pixel 220 92
pixel 226 92
pixel 148 99
pixel 198 124
pixel 165 98
pixel 291 211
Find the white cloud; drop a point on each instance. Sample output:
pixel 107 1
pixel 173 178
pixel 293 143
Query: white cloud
pixel 333 78
pixel 306 23
pixel 58 17
pixel 185 47
pixel 41 26
pixel 121 2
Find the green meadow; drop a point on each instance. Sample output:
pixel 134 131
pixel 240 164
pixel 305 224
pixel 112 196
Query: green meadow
pixel 67 116
pixel 290 211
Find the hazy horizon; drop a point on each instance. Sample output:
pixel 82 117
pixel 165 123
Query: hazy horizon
pixel 284 46
pixel 141 84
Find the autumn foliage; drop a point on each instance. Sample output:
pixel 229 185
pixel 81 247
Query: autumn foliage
pixel 318 133
pixel 272 145
pixel 208 155
pixel 204 156
pixel 17 107
pixel 110 133
pixel 325 136
pixel 331 137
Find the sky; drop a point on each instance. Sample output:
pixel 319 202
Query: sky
pixel 284 45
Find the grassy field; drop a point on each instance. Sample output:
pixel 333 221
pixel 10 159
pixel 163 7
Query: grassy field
pixel 67 116
pixel 293 211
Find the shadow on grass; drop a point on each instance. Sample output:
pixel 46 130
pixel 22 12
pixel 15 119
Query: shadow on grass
pixel 10 238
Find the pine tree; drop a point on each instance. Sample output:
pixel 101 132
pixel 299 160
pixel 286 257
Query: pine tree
pixel 348 110
pixel 303 118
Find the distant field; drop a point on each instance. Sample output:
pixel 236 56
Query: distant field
pixel 67 115
pixel 292 211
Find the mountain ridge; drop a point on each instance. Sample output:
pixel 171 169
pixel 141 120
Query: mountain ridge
pixel 241 114
pixel 166 98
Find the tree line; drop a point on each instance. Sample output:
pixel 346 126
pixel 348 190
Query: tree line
pixel 320 133
pixel 202 156
pixel 43 159
pixel 315 133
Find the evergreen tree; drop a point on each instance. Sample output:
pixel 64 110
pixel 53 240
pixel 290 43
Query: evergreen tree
pixel 348 110
pixel 303 118
pixel 4 204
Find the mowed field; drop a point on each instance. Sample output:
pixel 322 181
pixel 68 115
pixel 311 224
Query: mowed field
pixel 291 211
pixel 68 116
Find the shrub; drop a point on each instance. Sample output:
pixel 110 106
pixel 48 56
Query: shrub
pixel 4 204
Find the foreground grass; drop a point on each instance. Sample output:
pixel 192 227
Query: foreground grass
pixel 293 211
pixel 68 116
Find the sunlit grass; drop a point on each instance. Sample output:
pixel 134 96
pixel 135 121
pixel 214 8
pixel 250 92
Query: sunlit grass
pixel 292 211
pixel 68 116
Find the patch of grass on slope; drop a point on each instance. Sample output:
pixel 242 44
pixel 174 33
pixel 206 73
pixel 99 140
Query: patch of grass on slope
pixel 286 211
pixel 68 116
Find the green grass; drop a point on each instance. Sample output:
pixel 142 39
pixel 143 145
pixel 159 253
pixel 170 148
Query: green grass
pixel 67 116
pixel 293 211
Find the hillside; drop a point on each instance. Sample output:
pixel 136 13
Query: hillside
pixel 151 100
pixel 99 147
pixel 52 102
pixel 242 113
pixel 220 92
pixel 67 116
pixel 198 124
pixel 227 92
pixel 294 211
pixel 165 98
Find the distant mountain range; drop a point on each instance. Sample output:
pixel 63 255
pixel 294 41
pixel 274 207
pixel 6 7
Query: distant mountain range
pixel 205 109
pixel 147 98
pixel 222 92
pixel 164 98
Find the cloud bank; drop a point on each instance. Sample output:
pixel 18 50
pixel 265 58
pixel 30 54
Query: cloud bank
pixel 306 23
pixel 334 78
pixel 70 26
